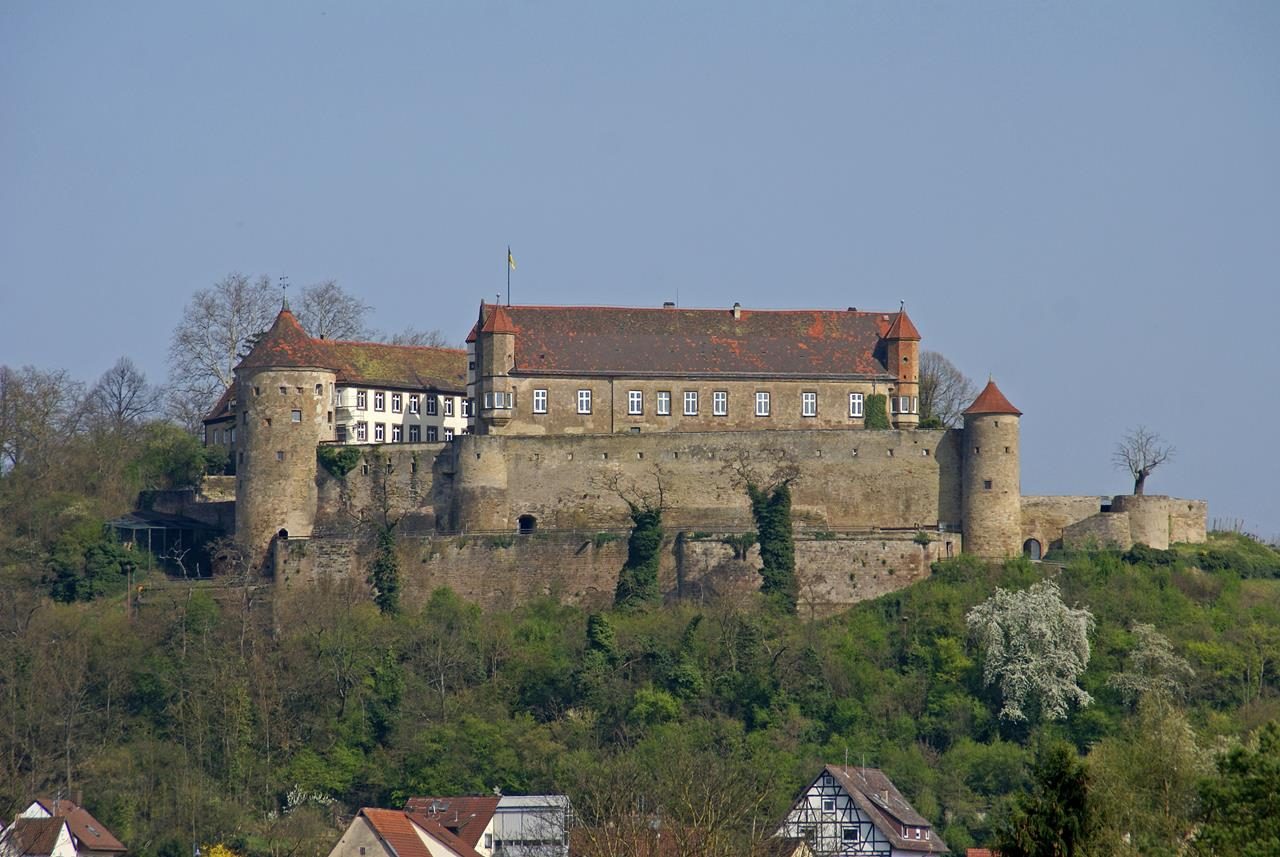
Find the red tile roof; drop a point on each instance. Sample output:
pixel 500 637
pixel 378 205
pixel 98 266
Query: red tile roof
pixel 499 321
pixel 87 830
pixel 877 796
pixel 33 837
pixel 902 328
pixel 443 834
pixel 287 345
pixel 465 816
pixel 672 342
pixel 992 401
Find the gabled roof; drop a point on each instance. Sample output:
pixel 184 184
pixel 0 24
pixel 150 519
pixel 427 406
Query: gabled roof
pixel 669 341
pixel 287 346
pixel 443 834
pixel 87 830
pixel 33 837
pixel 877 796
pixel 467 817
pixel 991 401
pixel 902 328
pixel 222 410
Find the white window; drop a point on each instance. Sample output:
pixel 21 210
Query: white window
pixel 379 400
pixel 448 406
pixel 915 405
pixel 488 841
pixel 762 403
pixel 917 832
pixel 433 434
pixel 231 435
pixel 413 403
pixel 295 416
pixel 893 404
pixel 664 403
pixel 448 434
pixel 379 432
pixel 828 804
pixel 498 400
pixel 855 404
pixel 635 402
pixel 397 403
pixel 433 404
pixel 808 404
pixel 690 403
pixel 488 401
pixel 415 433
pixel 467 407
pixel 539 401
pixel 584 401
pixel 396 433
pixel 904 405
pixel 362 399
pixel 362 431
pixel 720 403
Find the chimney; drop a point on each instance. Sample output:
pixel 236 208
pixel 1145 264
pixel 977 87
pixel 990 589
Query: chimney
pixel 737 310
pixel 668 304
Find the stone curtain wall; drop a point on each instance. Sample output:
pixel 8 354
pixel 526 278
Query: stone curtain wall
pixel 1045 518
pixel 833 570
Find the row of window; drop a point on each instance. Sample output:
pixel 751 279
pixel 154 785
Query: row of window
pixel 397 433
pixel 719 403
pixel 400 400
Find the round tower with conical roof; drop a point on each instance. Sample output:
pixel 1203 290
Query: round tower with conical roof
pixel 991 489
pixel 284 409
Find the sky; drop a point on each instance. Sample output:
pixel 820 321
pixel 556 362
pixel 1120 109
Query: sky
pixel 1081 200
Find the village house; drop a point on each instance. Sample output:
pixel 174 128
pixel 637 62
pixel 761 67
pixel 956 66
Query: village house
pixel 58 827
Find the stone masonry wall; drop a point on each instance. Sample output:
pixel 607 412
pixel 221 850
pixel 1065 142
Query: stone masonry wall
pixel 1101 530
pixel 1045 518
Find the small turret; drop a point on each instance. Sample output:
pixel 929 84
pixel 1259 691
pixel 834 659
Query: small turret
pixel 991 490
pixel 903 357
pixel 495 355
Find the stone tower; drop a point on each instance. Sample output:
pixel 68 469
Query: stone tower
pixel 284 408
pixel 903 358
pixel 990 484
pixel 495 352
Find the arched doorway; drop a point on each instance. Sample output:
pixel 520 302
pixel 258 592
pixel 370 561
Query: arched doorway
pixel 1031 549
pixel 527 524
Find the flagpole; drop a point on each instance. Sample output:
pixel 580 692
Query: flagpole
pixel 508 275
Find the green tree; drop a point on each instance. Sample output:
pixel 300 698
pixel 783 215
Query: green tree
pixel 1240 807
pixel 1053 818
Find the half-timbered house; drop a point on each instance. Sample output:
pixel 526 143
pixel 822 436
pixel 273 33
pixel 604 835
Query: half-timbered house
pixel 859 811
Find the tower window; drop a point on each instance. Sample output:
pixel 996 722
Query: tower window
pixel 279 455
pixel 295 416
pixel 986 484
pixel 284 391
pixel 1008 449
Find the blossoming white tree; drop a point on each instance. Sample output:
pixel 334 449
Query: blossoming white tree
pixel 1034 648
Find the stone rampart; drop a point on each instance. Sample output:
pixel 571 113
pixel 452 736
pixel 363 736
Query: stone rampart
pixel 1158 521
pixel 1045 519
pixel 1100 530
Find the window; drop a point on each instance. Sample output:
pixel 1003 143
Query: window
pixel 362 400
pixel 362 432
pixel 691 403
pixel 488 841
pixel 808 404
pixel 433 434
pixel 539 401
pixel 584 401
pixel 468 405
pixel 397 433
pixel 664 403
pixel 915 405
pixel 279 455
pixel 720 403
pixel 849 834
pixel 379 401
pixel 499 400
pixel 828 804
pixel 986 484
pixel 893 404
pixel 917 833
pixel 284 391
pixel 762 403
pixel 379 432
pixel 635 402
pixel 397 403
pixel 295 416
pixel 471 364
pixel 448 434
pixel 415 434
pixel 433 404
pixel 231 435
pixel 319 389
pixel 904 405
pixel 448 406
pixel 855 404
pixel 413 403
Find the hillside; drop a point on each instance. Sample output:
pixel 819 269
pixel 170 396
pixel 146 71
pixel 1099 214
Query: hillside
pixel 194 715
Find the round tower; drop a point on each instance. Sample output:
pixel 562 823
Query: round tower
pixel 283 410
pixel 990 484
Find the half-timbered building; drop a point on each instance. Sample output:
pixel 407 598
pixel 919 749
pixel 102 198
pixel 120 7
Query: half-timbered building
pixel 859 811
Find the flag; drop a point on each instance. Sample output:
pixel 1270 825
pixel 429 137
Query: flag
pixel 511 260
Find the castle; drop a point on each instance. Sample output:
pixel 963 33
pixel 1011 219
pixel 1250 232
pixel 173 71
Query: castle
pixel 554 417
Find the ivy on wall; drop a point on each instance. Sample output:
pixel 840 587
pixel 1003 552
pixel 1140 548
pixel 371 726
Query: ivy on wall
pixel 638 581
pixel 384 573
pixel 877 411
pixel 772 512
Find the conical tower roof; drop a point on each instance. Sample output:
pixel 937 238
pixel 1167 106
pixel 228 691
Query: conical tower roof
pixel 285 345
pixel 499 321
pixel 991 401
pixel 902 328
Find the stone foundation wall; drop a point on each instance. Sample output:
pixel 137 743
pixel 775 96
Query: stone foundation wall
pixel 1046 518
pixel 1101 530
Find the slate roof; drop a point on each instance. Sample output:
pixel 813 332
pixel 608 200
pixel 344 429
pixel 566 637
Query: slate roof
pixel 33 836
pixel 377 364
pixel 877 796
pixel 992 401
pixel 87 830
pixel 467 817
pixel 668 341
pixel 222 410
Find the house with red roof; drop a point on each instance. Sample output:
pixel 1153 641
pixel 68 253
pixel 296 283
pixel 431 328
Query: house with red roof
pixel 398 833
pixel 61 828
pixel 503 825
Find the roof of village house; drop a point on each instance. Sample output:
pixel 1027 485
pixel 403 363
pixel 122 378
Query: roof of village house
pixel 86 829
pixel 670 341
pixel 465 816
pixel 222 410
pixel 877 796
pixel 395 827
pixel 287 345
pixel 33 837
pixel 992 401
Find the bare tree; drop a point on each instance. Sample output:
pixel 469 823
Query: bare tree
pixel 945 391
pixel 1141 452
pixel 217 326
pixel 38 411
pixel 414 336
pixel 326 311
pixel 122 399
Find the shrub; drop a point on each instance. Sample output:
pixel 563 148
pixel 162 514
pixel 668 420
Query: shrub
pixel 338 460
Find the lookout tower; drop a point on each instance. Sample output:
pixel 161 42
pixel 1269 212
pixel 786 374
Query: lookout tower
pixel 991 490
pixel 903 359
